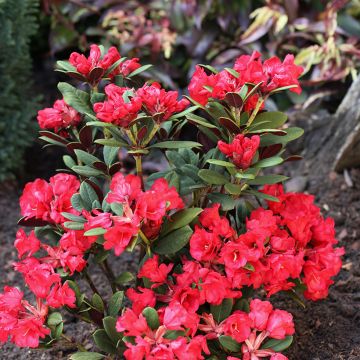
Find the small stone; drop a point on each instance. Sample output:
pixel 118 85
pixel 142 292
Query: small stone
pixel 296 184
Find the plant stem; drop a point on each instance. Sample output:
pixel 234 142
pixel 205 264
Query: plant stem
pixel 109 274
pixel 139 171
pixel 90 282
pixel 69 340
pixel 256 110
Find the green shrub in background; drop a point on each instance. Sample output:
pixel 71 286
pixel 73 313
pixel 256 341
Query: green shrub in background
pixel 17 104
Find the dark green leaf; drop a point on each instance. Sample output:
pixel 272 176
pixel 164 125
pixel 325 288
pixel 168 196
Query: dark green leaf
pixel 78 99
pixel 229 343
pixel 97 302
pixel 95 232
pixel 103 342
pixel 152 317
pixel 54 319
pixel 227 202
pixel 180 219
pixel 86 355
pixel 109 323
pixel 173 242
pixel 176 145
pixel 72 225
pixel 139 70
pixel 212 177
pixel 272 161
pixel 115 303
pixel 222 311
pixel 267 179
pixel 124 278
pixel 278 345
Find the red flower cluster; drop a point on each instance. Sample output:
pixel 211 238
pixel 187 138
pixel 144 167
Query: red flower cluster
pixel 241 151
pixel 272 74
pixel 47 200
pixel 123 104
pixel 96 62
pixel 141 210
pixel 184 294
pixel 159 103
pixel 21 321
pixel 120 108
pixel 289 241
pixel 58 117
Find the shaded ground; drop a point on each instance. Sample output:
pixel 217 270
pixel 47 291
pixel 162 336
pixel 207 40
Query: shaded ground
pixel 325 330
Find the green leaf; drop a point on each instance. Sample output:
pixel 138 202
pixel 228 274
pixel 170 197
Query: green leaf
pixel 267 179
pixel 109 323
pixel 271 119
pixel 291 134
pixel 86 171
pixel 100 124
pixel 117 208
pixel 86 355
pixel 69 161
pixel 173 334
pixel 115 303
pixel 77 202
pixel 278 345
pixel 103 342
pixel 183 113
pixel 110 153
pixel 212 177
pixel 232 72
pixel 54 319
pixel 95 232
pixel 200 121
pixel 73 217
pixel 229 343
pixel 152 317
pixel 221 163
pixel 72 225
pixel 114 66
pixel 175 145
pixel 88 195
pixel 227 202
pixel 97 302
pixel 261 195
pixel 173 242
pixel 233 189
pixel 139 70
pixel 65 65
pixel 112 142
pixel 272 161
pixel 124 278
pixel 78 99
pixel 74 286
pixel 180 219
pixel 222 311
pixel 85 157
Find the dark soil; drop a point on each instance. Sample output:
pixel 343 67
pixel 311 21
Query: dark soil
pixel 325 330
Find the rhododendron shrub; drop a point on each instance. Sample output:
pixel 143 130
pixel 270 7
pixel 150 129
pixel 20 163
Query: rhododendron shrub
pixel 217 237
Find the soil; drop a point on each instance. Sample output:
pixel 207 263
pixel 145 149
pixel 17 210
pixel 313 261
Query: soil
pixel 325 330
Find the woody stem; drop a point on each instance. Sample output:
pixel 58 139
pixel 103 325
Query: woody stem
pixel 69 340
pixel 139 171
pixel 90 282
pixel 256 110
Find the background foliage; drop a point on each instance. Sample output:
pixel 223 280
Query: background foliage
pixel 17 107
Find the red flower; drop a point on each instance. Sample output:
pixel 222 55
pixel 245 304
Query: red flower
pixel 153 271
pixel 35 200
pixel 40 279
pixel 153 204
pixel 126 67
pixel 259 313
pixel 116 109
pixel 237 326
pixel 141 298
pixel 28 331
pixel 200 87
pixel 61 295
pixel 24 244
pixel 159 103
pixel 60 116
pixel 280 324
pixel 233 255
pixel 132 324
pixel 211 219
pixel 204 245
pixel 119 236
pixel 242 150
pixel 124 189
pixel 282 74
